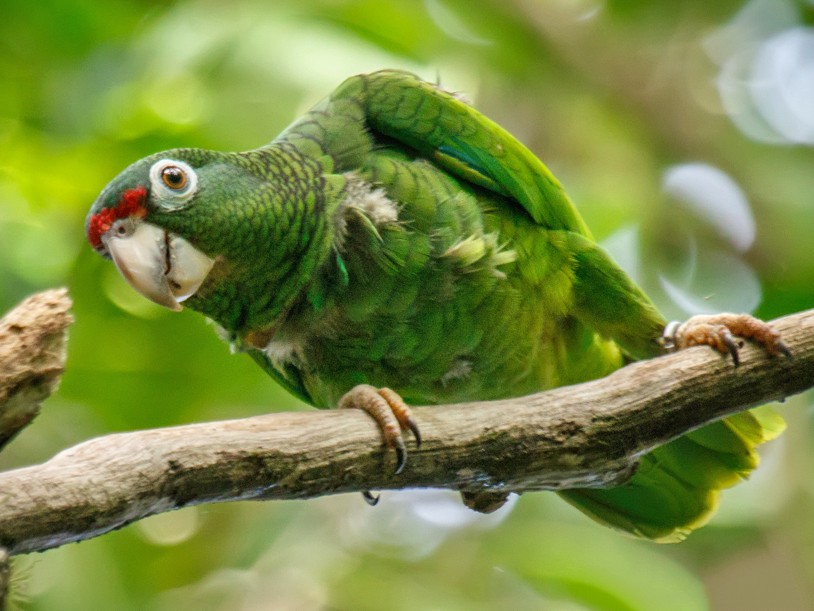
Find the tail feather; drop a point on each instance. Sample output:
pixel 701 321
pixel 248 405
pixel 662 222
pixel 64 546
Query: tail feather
pixel 677 486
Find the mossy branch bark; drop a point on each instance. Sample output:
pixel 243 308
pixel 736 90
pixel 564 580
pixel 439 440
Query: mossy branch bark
pixel 585 435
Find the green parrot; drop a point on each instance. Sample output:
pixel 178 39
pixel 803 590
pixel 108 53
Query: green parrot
pixel 394 246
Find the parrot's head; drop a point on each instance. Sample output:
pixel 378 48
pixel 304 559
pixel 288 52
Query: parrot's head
pixel 138 221
pixel 236 235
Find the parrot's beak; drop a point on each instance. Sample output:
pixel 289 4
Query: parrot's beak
pixel 161 266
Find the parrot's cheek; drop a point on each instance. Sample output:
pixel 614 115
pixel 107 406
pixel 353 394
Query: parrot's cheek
pixel 164 268
pixel 188 267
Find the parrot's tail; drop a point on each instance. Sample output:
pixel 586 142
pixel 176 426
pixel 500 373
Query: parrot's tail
pixel 677 485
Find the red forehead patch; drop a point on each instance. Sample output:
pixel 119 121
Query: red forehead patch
pixel 130 204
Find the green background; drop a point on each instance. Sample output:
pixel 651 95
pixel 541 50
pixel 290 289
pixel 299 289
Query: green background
pixel 684 133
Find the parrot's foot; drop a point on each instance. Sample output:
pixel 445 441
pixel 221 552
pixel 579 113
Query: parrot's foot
pixel 720 331
pixel 392 415
pixel 484 501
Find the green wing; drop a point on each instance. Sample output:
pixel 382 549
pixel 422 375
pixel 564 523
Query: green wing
pixel 462 141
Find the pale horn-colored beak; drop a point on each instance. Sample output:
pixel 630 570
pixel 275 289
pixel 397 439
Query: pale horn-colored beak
pixel 163 267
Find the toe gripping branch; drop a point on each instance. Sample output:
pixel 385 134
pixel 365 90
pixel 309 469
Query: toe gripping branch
pixel 392 415
pixel 720 331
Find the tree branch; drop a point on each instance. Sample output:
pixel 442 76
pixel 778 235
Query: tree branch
pixel 32 357
pixel 5 576
pixel 584 435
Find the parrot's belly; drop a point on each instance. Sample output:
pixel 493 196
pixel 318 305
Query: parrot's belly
pixel 486 362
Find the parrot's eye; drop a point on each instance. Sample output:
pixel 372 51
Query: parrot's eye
pixel 173 183
pixel 174 177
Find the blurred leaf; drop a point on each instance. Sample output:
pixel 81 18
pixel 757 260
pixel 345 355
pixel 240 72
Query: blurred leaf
pixel 596 567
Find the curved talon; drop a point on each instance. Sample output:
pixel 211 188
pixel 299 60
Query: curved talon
pixel 417 433
pixel 370 498
pixel 731 345
pixel 401 454
pixel 390 412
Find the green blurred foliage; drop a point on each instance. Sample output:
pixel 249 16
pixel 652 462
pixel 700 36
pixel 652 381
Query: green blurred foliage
pixel 611 94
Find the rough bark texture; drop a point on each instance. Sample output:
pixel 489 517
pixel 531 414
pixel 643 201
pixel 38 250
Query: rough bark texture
pixel 585 435
pixel 32 357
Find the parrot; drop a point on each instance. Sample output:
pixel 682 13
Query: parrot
pixel 395 247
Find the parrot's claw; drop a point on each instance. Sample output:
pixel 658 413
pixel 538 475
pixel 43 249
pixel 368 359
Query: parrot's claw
pixel 392 415
pixel 720 331
pixel 370 498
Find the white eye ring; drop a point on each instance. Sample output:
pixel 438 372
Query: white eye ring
pixel 173 182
